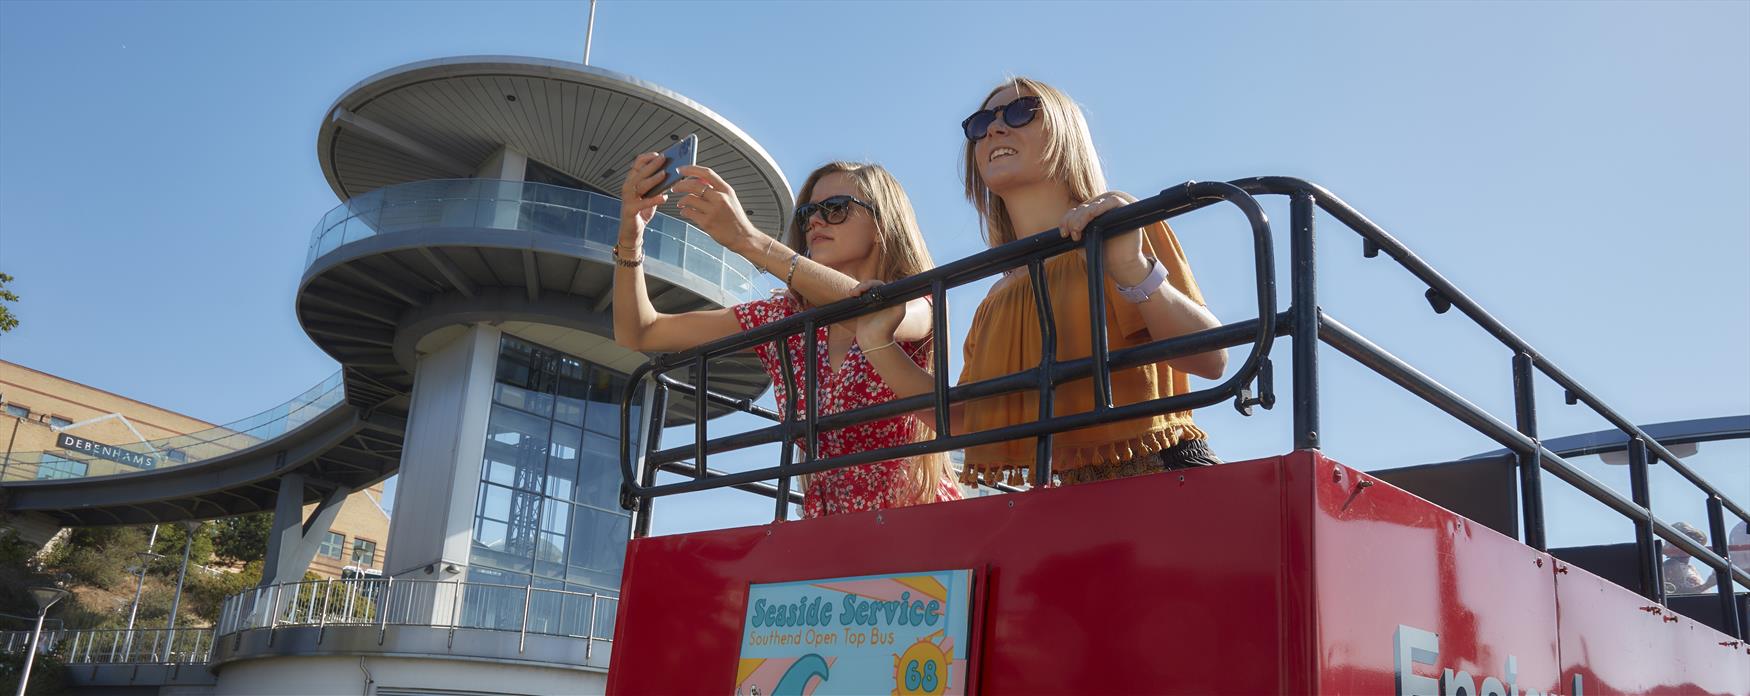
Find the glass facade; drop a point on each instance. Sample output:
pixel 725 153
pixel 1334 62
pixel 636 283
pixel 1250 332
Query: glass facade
pixel 548 514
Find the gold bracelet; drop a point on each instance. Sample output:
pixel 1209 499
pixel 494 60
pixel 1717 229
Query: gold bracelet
pixel 889 344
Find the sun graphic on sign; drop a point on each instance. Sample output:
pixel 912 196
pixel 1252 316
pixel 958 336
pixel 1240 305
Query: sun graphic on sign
pixel 922 668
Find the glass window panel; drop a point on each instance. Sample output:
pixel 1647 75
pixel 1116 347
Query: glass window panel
pixel 562 461
pixel 601 229
pixel 332 544
pixel 490 534
pixel 598 547
pixel 519 398
pixel 494 502
pixel 517 440
pixel 555 516
pixel 605 391
pixel 701 265
pixel 598 480
pixel 53 467
pixel 605 206
pixel 364 553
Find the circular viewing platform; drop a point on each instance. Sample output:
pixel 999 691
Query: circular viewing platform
pixel 394 272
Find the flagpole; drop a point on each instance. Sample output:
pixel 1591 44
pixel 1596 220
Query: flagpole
pixel 589 33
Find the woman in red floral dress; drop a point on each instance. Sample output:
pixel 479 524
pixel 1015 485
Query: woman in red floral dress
pixel 855 225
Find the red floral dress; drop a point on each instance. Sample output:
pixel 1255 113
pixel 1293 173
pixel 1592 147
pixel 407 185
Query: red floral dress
pixel 855 384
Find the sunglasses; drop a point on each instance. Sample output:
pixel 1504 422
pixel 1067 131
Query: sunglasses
pixel 833 210
pixel 1017 113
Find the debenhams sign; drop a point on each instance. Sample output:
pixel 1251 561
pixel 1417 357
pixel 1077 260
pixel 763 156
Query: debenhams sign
pixel 138 460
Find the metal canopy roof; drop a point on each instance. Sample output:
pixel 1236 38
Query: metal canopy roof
pixel 443 118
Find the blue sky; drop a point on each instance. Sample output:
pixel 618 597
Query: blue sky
pixel 1583 170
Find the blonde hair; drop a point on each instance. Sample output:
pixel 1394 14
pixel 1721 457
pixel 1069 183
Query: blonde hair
pixel 900 247
pixel 1069 158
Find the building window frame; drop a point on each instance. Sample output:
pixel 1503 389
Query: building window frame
pixel 333 546
pixel 369 548
pixel 17 410
pixel 58 422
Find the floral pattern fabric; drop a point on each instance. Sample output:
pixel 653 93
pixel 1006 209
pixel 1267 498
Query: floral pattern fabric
pixel 853 385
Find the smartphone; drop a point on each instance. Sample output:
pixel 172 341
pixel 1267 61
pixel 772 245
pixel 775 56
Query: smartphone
pixel 683 153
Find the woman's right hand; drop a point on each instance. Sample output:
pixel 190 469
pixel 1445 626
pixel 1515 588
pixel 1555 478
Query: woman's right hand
pixel 636 211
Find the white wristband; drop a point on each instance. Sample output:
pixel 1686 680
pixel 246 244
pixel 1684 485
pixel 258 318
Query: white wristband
pixel 1139 293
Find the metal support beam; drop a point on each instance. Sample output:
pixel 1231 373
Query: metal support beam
pixel 451 272
pixel 1304 308
pixel 395 139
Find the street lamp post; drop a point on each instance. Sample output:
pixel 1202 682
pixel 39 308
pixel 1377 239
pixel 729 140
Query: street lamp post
pixel 45 597
pixel 145 557
pixel 189 528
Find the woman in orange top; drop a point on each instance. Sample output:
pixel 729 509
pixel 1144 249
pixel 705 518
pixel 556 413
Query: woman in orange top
pixel 1030 166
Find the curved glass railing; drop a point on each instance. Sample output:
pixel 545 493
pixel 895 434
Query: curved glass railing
pixel 179 449
pixel 526 207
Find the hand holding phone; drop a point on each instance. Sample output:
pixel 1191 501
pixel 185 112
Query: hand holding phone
pixel 684 153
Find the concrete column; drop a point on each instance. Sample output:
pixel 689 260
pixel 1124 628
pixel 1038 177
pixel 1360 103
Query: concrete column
pixel 293 541
pixel 506 169
pixel 440 463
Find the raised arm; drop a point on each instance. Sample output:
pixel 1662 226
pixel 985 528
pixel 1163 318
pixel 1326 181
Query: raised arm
pixel 710 203
pixel 637 324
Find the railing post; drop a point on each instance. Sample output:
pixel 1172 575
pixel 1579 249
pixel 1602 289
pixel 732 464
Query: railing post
pixel 322 621
pixel 787 450
pixel 1530 465
pixel 523 632
pixel 1304 308
pixel 1646 551
pixel 1716 523
pixel 589 632
pixel 701 371
pixel 1047 365
pixel 382 605
pixel 1095 258
pixel 658 411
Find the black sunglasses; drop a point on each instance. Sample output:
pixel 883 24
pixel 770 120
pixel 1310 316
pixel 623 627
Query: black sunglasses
pixel 833 210
pixel 1017 113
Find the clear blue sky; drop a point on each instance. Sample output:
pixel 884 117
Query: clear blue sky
pixel 1582 169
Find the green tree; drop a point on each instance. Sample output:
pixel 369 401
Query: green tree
pixel 243 538
pixel 8 320
pixel 170 540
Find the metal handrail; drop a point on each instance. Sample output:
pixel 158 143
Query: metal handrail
pixel 118 645
pixel 384 602
pixel 501 204
pixel 1304 321
pixel 639 488
pixel 205 444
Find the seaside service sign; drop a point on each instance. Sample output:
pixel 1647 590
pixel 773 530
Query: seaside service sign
pixel 904 633
pixel 138 460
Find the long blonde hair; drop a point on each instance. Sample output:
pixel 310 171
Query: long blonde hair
pixel 900 246
pixel 1069 158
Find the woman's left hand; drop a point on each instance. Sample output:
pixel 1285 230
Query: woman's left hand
pixel 709 202
pixel 1125 262
pixel 877 327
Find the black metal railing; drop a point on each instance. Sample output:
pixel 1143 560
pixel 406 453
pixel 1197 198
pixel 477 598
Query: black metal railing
pixel 1304 321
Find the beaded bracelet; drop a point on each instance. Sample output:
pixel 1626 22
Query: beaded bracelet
pixel 625 262
pixel 795 258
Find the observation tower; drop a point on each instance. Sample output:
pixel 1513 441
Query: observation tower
pixel 464 282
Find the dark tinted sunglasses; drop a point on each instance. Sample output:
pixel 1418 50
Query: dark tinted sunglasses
pixel 833 210
pixel 1017 113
